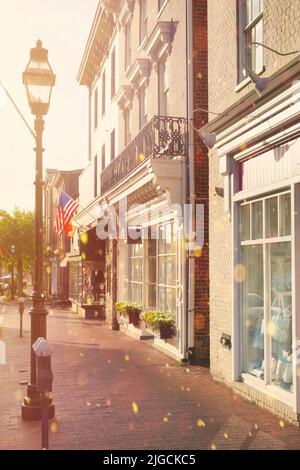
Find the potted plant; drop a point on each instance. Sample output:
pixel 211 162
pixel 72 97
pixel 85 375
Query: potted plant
pixel 161 323
pixel 130 311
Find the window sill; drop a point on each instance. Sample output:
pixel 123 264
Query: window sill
pixel 271 390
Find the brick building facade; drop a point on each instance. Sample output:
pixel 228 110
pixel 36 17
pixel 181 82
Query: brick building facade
pixel 253 180
pixel 142 148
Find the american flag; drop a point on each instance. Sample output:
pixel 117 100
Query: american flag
pixel 65 211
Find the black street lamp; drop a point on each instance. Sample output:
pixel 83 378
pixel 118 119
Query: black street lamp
pixel 12 251
pixel 39 80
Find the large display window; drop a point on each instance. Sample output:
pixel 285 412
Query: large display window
pixel 267 290
pixel 86 282
pixel 152 270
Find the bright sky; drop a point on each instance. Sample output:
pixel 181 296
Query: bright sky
pixel 63 26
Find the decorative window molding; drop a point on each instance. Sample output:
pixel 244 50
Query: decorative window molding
pixel 250 29
pixel 110 6
pixel 160 41
pixel 138 74
pixel 124 97
pixel 126 13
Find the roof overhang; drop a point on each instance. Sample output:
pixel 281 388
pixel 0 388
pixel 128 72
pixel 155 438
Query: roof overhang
pixel 96 47
pixel 251 102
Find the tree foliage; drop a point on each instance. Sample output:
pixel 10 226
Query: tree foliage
pixel 17 228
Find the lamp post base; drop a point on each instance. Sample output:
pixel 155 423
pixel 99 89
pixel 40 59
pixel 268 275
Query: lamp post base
pixel 31 409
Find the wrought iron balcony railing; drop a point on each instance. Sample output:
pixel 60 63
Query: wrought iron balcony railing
pixel 163 137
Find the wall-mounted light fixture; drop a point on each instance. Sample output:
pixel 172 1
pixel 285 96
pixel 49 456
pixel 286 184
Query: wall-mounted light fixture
pixel 261 83
pixel 209 138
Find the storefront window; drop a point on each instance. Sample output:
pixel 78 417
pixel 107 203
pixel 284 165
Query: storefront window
pixel 136 272
pixel 93 282
pixel 267 290
pixel 253 310
pixel 246 222
pixel 272 217
pixel 257 220
pixel 151 270
pixel 167 269
pixel 75 280
pixel 280 326
pixel 285 215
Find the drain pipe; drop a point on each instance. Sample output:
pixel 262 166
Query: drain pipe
pixel 190 187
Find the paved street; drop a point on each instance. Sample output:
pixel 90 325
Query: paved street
pixel 113 392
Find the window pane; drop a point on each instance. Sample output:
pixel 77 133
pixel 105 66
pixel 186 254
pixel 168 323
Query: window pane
pixel 161 298
pixel 151 247
pixel 170 301
pixel 272 217
pixel 257 220
pixel 151 296
pixel 248 11
pixel 152 270
pixel 255 8
pixel 170 270
pixel 285 215
pixel 246 222
pixel 258 50
pixel 280 327
pixel 253 310
pixel 161 270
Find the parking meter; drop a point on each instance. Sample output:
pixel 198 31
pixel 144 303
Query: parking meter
pixel 44 379
pixel 21 311
pixel 21 305
pixel 44 374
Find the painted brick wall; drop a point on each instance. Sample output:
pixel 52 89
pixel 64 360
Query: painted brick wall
pixel 281 20
pixel 281 23
pixel 200 100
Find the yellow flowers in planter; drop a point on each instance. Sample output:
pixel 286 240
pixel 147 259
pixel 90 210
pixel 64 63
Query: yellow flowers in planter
pixel 130 311
pixel 125 307
pixel 156 319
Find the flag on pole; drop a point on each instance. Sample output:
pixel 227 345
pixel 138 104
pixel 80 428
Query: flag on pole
pixel 65 211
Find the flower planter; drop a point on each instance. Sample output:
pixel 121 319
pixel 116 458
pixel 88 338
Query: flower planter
pixel 162 332
pixel 133 317
pixel 129 312
pixel 165 332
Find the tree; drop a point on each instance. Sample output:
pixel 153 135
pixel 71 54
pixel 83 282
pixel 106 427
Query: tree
pixel 17 229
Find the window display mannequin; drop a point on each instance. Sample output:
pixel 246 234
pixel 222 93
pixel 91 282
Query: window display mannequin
pixel 280 325
pixel 281 319
pixel 97 282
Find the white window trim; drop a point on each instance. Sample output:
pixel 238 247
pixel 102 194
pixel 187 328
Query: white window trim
pixel 241 45
pixel 291 399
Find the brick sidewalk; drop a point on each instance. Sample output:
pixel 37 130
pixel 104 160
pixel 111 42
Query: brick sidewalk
pixel 113 392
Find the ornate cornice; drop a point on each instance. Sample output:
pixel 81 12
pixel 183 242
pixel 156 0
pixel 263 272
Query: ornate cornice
pixel 111 6
pixel 97 45
pixel 124 97
pixel 138 74
pixel 159 44
pixel 126 12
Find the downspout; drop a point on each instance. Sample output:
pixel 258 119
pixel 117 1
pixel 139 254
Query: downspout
pixel 90 123
pixel 190 193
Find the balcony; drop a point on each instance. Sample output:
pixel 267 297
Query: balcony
pixel 163 137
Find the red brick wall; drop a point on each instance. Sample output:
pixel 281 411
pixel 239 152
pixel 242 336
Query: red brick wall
pixel 200 100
